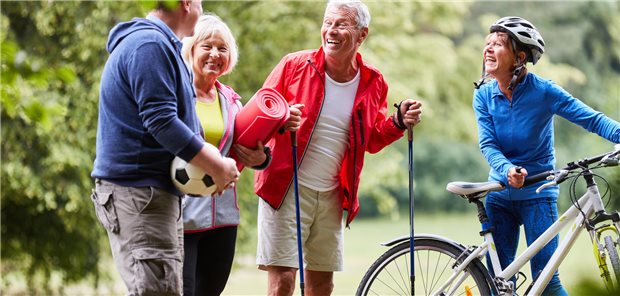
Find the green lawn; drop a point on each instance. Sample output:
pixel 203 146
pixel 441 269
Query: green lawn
pixel 362 247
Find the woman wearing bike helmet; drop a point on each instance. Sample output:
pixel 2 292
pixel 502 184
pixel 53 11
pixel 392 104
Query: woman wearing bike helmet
pixel 515 112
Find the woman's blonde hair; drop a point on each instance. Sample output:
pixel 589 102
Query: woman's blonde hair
pixel 209 25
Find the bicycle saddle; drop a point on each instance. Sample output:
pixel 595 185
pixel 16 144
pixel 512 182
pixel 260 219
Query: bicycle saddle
pixel 474 190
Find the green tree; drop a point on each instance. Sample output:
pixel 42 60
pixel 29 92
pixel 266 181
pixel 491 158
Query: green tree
pixel 52 55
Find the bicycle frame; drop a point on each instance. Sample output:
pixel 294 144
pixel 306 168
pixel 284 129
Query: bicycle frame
pixel 476 253
pixel 386 274
pixel 589 203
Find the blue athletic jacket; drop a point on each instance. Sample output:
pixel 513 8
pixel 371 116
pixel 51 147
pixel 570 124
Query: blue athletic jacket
pixel 520 133
pixel 146 106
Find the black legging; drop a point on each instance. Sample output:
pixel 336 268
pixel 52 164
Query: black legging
pixel 208 260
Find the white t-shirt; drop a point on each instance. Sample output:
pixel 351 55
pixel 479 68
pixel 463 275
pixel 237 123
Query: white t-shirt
pixel 323 159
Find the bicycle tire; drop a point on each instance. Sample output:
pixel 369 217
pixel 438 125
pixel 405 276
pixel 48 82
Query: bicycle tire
pixel 389 274
pixel 612 254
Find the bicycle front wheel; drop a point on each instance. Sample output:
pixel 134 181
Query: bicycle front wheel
pixel 433 260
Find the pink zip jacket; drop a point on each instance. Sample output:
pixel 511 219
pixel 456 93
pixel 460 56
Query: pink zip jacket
pixel 206 213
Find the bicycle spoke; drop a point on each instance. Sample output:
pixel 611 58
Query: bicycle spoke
pixel 435 273
pixel 402 288
pixel 405 280
pixel 422 275
pixel 388 286
pixel 429 285
pixel 404 283
pixel 436 268
pixel 443 270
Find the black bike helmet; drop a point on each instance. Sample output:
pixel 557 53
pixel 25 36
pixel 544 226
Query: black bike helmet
pixel 523 32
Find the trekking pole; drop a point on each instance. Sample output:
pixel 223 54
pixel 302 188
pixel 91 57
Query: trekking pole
pixel 300 252
pixel 411 244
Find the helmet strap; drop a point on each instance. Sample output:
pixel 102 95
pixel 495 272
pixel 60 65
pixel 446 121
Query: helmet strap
pixel 515 75
pixel 483 77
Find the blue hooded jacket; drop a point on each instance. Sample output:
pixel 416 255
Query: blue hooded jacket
pixel 520 133
pixel 146 107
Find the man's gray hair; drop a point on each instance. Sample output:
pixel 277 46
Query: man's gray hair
pixel 361 10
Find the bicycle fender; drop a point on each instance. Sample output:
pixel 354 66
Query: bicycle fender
pixel 419 236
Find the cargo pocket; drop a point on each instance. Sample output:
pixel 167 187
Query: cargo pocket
pixel 157 271
pixel 105 210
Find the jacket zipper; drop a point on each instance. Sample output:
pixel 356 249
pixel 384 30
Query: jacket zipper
pixel 311 133
pixel 320 111
pixel 352 194
pixel 359 115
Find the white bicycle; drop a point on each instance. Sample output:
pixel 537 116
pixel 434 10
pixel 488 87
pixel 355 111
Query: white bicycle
pixel 445 267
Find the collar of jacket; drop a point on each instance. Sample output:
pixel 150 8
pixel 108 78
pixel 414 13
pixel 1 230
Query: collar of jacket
pixel 367 71
pixel 318 60
pixel 497 93
pixel 227 91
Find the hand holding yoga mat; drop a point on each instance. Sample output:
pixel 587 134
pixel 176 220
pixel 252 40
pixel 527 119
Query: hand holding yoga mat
pixel 260 118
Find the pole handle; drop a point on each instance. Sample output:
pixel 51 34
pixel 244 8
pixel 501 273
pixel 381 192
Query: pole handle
pixel 410 133
pixel 294 139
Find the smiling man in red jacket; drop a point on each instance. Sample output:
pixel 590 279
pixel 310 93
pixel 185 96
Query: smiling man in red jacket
pixel 344 105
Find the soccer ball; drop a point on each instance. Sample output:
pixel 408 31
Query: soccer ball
pixel 190 179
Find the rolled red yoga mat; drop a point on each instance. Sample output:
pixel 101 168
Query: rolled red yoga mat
pixel 260 118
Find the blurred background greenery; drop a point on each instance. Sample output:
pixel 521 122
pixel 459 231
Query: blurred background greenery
pixel 53 52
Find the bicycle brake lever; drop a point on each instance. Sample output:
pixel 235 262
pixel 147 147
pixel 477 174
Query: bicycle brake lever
pixel 543 186
pixel 613 158
pixel 610 160
pixel 558 177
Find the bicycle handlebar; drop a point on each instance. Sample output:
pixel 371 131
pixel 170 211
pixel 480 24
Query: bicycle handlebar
pixel 537 178
pixel 558 176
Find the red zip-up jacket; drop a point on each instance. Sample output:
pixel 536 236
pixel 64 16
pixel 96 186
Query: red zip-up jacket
pixel 300 78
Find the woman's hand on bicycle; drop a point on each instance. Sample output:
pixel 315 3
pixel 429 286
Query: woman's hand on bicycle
pixel 516 176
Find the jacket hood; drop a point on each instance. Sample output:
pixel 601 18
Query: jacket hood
pixel 122 30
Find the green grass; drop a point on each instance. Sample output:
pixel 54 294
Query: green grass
pixel 578 272
pixel 362 248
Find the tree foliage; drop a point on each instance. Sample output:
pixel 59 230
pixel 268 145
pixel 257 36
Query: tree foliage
pixel 52 54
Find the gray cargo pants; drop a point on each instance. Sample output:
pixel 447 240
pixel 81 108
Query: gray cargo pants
pixel 145 229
